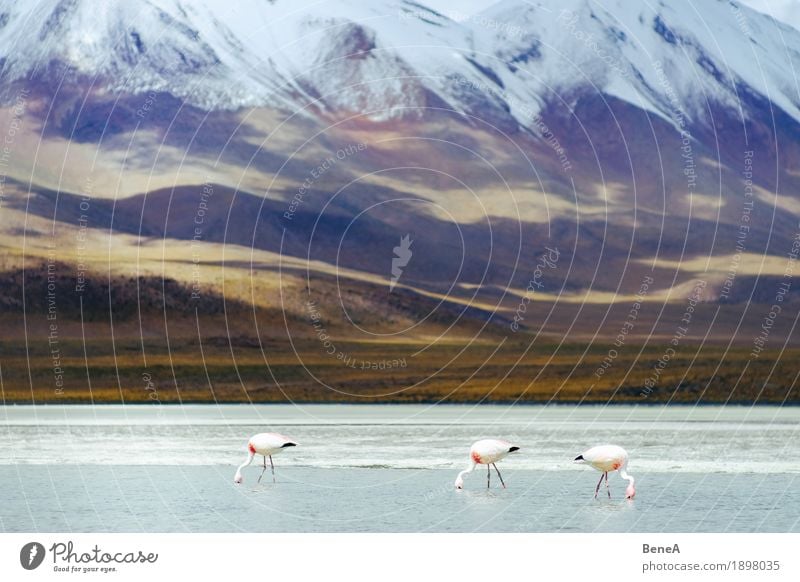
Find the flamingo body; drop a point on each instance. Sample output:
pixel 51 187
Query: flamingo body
pixel 265 444
pixel 269 443
pixel 486 452
pixel 607 459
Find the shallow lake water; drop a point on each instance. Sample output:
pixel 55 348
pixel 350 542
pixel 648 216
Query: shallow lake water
pixel 391 468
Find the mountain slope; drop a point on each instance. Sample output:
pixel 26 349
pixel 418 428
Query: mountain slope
pixel 617 130
pixel 385 57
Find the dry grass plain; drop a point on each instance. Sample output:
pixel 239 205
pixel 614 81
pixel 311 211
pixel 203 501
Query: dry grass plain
pixel 135 335
pixel 244 369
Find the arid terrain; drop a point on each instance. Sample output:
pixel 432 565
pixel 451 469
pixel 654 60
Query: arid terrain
pixel 159 344
pixel 297 202
pixel 246 370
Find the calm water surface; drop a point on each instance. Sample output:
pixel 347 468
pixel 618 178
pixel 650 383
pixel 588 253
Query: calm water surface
pixel 391 468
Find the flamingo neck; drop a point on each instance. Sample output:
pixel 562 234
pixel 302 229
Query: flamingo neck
pixel 460 478
pixel 466 471
pixel 630 492
pixel 625 475
pixel 250 455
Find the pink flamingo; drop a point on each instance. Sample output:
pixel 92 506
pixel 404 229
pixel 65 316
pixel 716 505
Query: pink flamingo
pixel 266 444
pixel 608 458
pixel 486 452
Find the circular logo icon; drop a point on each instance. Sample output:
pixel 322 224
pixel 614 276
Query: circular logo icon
pixel 31 555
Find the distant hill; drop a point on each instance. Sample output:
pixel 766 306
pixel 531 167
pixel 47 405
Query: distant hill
pixel 59 288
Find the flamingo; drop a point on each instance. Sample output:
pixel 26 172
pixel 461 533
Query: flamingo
pixel 607 458
pixel 486 452
pixel 266 444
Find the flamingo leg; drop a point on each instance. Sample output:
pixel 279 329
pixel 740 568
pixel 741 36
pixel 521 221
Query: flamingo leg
pixel 607 489
pixel 264 469
pixel 499 475
pixel 273 468
pixel 488 476
pixel 600 482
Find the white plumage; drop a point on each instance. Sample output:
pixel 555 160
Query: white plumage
pixel 606 459
pixel 486 452
pixel 265 444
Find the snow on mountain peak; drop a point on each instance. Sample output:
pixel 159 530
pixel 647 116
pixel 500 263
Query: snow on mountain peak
pixel 391 58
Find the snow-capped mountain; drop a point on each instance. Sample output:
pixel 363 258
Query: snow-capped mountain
pixel 390 57
pixel 344 55
pixel 680 57
pixel 787 11
pixel 595 126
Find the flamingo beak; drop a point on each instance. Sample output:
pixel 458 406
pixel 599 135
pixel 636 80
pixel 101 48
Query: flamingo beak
pixel 579 459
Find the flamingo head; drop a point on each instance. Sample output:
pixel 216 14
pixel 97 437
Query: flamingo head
pixel 579 459
pixel 459 482
pixel 238 478
pixel 630 491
